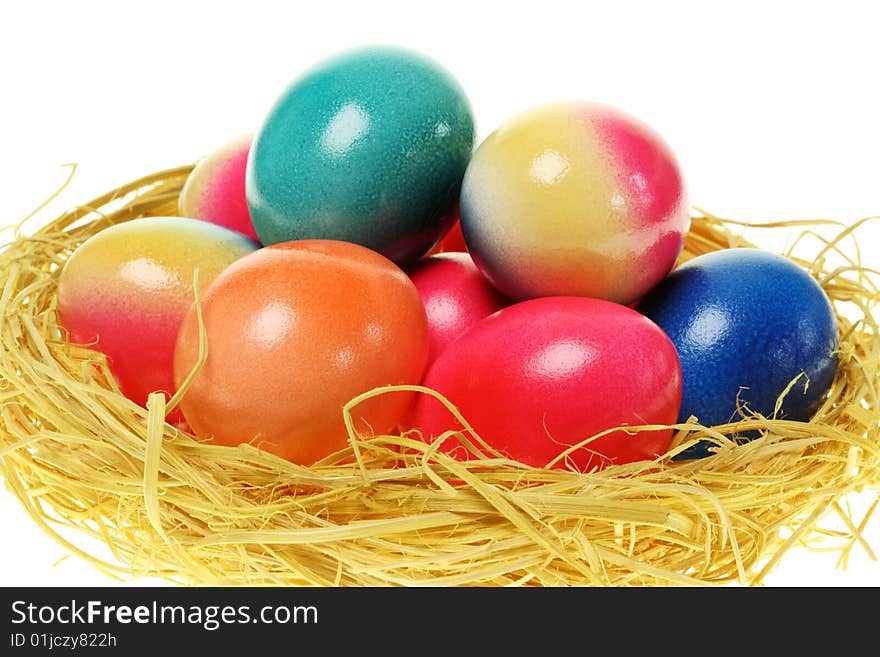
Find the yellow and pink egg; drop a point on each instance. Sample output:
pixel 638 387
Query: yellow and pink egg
pixel 574 198
pixel 214 190
pixel 125 291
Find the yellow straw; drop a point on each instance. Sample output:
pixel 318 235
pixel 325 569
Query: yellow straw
pixel 394 510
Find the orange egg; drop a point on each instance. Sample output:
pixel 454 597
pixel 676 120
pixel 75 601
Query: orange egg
pixel 294 331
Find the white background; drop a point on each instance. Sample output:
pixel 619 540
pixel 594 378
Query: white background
pixel 772 108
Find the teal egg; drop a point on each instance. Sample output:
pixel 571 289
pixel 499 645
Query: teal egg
pixel 370 147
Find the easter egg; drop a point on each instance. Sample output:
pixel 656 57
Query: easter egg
pixel 369 147
pixel 455 295
pixel 452 241
pixel 574 198
pixel 125 290
pixel 295 331
pixel 541 375
pixel 214 189
pixel 745 323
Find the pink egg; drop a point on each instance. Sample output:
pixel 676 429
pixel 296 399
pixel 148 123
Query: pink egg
pixel 214 190
pixel 540 376
pixel 455 295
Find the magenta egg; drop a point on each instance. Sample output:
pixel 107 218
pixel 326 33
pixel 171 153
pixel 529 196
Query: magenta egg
pixel 214 189
pixel 455 295
pixel 574 198
pixel 543 375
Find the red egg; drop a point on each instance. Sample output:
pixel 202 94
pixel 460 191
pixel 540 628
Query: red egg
pixel 455 295
pixel 542 375
pixel 452 242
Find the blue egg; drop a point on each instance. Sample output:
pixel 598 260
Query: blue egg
pixel 369 147
pixel 745 323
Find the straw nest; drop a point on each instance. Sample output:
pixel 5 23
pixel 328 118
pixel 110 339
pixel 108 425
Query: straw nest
pixel 392 510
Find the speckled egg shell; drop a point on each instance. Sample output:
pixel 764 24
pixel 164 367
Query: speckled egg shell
pixel 214 190
pixel 745 323
pixel 368 147
pixel 574 198
pixel 125 290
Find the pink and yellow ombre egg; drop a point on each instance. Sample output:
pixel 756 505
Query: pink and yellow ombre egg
pixel 214 189
pixel 125 290
pixel 574 198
